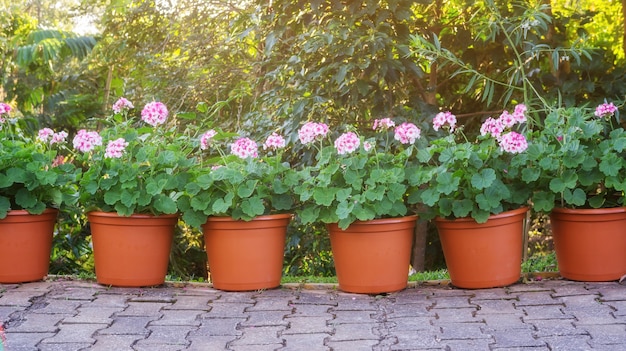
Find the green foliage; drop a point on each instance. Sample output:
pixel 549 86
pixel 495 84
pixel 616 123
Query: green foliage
pixel 149 177
pixel 366 183
pixel 241 186
pixel 460 178
pixel 33 174
pixel 577 161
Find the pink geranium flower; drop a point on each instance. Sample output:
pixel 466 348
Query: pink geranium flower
pixel 347 143
pixel 154 113
pixel 407 133
pixel 85 141
pixel 312 131
pixel 244 148
pixel 115 148
pixel 274 142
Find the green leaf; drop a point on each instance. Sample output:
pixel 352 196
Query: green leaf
pixel 447 183
pixel 462 208
pixel 246 189
pixel 484 179
pixel 309 215
pixel 344 209
pixel 165 204
pixel 25 198
pixel 253 207
pixel 324 197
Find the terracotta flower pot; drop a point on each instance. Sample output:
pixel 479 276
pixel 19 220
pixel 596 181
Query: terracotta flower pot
pixel 483 255
pixel 590 244
pixel 25 244
pixel 246 255
pixel 373 256
pixel 131 251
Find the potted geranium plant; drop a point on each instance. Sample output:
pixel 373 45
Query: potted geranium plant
pixel 135 171
pixel 577 166
pixel 473 190
pixel 358 186
pixel 243 201
pixel 35 180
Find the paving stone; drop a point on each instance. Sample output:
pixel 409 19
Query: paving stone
pixel 412 310
pixel 568 342
pixel 64 347
pixel 36 288
pixel 268 347
pixel 411 323
pixel 545 312
pixel 81 293
pixel 6 311
pixel 190 303
pixel 143 309
pixel 619 306
pixel 463 331
pixel 593 317
pixel 352 345
pixel 608 291
pixel 226 310
pixel 305 342
pixel 75 333
pixel 16 341
pixel 93 315
pixel 606 334
pixel 310 310
pixel 109 300
pixel 417 340
pixel 218 326
pixel 528 287
pixel 265 319
pixel 455 315
pixel 207 343
pixel 259 336
pixel 272 304
pixel 354 302
pixel 18 298
pixel 538 298
pixel 354 331
pixel 245 297
pixel 465 345
pixel 556 327
pixel 323 298
pixel 114 342
pixel 516 338
pixel 36 323
pixel 165 335
pixel 179 317
pixel 453 302
pixel 352 317
pixel 53 306
pixel 127 326
pixel 307 325
pixel 503 321
pixel 569 289
pixel 496 306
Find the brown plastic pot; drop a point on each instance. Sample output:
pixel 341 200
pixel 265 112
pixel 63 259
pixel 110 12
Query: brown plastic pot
pixel 483 255
pixel 590 244
pixel 373 257
pixel 25 244
pixel 246 255
pixel 131 251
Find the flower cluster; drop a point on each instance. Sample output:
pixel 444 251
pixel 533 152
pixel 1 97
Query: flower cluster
pixel 122 104
pixel 154 113
pixel 205 139
pixel 312 131
pixel 115 148
pixel 347 143
pixel 383 124
pixel 510 141
pixel 605 110
pixel 407 133
pixel 85 141
pixel 244 148
pixel 4 109
pixel 47 135
pixel 274 142
pixel 443 118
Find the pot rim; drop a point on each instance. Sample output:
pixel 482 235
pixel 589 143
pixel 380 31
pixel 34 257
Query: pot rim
pixel 135 215
pixel 48 210
pixel 257 218
pixel 589 211
pixel 501 215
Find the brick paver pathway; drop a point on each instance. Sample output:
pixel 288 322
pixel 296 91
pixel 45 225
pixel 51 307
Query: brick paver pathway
pixel 77 315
